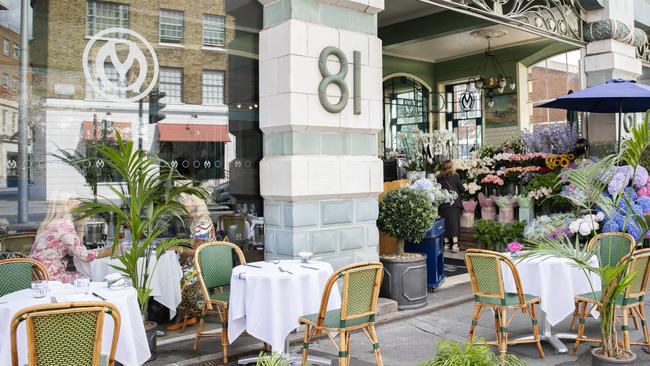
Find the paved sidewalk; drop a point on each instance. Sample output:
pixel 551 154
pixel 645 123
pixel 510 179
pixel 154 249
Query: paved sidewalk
pixel 406 339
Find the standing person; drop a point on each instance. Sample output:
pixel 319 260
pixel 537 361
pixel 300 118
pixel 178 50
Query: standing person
pixel 450 181
pixel 201 231
pixel 57 237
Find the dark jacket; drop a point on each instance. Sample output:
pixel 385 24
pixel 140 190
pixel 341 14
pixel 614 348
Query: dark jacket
pixel 452 183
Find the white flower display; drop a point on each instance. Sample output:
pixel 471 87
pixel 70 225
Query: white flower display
pixel 437 194
pixel 540 193
pixel 587 224
pixel 472 187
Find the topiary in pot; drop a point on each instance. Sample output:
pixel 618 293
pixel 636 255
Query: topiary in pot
pixel 406 214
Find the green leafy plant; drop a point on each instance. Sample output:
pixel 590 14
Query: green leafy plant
pixel 494 234
pixel 475 353
pixel 614 279
pixel 274 359
pixel 406 214
pixel 147 201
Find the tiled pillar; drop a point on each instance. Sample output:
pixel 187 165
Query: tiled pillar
pixel 320 175
pixel 611 54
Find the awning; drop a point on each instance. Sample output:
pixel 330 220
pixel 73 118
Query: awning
pixel 191 132
pixel 90 134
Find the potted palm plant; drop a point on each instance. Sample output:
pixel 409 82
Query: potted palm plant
pixel 147 201
pixel 592 181
pixel 405 214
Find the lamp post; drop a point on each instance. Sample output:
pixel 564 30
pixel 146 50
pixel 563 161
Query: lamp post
pixel 23 130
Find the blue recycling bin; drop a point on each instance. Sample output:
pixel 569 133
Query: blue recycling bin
pixel 432 244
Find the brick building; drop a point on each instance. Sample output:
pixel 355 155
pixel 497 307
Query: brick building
pixel 190 40
pixel 9 88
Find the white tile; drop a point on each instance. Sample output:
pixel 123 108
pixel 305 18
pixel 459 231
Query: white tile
pixel 371 83
pixel 351 122
pixel 323 177
pixel 356 173
pixel 360 5
pixel 301 74
pixel 286 38
pixel 374 51
pixel 319 118
pixel 269 77
pixel 354 41
pixel 375 6
pixel 319 37
pixel 283 112
pixel 376 115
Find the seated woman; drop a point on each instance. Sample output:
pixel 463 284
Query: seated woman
pixel 57 237
pixel 201 231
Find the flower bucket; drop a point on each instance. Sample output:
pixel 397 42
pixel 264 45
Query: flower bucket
pixel 467 217
pixel 506 206
pixel 488 208
pixel 526 209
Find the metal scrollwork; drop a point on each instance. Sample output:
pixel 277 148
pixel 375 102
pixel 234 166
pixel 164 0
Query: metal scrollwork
pixel 559 18
pixel 643 52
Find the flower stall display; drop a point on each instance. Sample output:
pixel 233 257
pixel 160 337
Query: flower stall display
pixel 526 208
pixel 435 192
pixel 488 207
pixel 587 224
pixel 554 139
pixel 494 235
pixel 554 226
pixel 506 206
pixel 469 211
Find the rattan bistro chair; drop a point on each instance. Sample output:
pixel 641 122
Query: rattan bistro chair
pixel 18 243
pixel 631 302
pixel 66 334
pixel 610 249
pixel 361 283
pixel 18 273
pixel 486 277
pixel 214 263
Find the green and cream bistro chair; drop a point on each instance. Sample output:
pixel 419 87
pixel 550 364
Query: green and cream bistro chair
pixel 65 334
pixel 360 292
pixel 214 263
pixel 485 270
pixel 630 303
pixel 610 249
pixel 18 274
pixel 17 243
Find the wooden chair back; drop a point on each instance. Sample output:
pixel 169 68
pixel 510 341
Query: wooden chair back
pixel 486 277
pixel 65 333
pixel 612 247
pixel 639 267
pixel 18 273
pixel 18 243
pixel 214 263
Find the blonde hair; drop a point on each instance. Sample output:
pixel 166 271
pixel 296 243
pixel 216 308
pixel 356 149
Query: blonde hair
pixel 447 169
pixel 58 208
pixel 199 209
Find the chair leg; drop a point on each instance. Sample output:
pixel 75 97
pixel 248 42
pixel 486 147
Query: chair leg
pixel 475 316
pixel 625 329
pixel 497 325
pixel 533 316
pixel 576 312
pixel 199 329
pixel 224 334
pixel 581 327
pixel 634 319
pixel 503 329
pixel 644 326
pixel 375 345
pixel 305 344
pixel 343 349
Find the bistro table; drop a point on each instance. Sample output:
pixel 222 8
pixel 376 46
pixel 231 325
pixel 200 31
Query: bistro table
pixel 132 347
pixel 165 282
pixel 267 298
pixel 557 281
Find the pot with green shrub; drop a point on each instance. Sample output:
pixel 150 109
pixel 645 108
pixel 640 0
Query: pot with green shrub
pixel 405 214
pixel 475 353
pixel 495 235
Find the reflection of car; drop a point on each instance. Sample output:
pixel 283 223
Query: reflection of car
pixel 221 194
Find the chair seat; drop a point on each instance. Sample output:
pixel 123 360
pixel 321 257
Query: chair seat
pixel 511 299
pixel 103 361
pixel 595 298
pixel 333 320
pixel 221 297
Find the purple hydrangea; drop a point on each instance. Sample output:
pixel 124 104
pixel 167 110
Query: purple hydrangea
pixel 554 139
pixel 611 226
pixel 644 203
pixel 641 177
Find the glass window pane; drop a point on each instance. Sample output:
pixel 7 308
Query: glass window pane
pixel 171 26
pixel 103 15
pixel 214 30
pixel 213 84
pixel 171 82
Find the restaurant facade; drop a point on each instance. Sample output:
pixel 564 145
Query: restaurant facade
pixel 285 108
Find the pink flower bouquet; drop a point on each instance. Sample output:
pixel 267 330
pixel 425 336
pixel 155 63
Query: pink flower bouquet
pixel 467 217
pixel 514 247
pixel 488 207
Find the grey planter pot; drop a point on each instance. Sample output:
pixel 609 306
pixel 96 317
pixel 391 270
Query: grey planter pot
pixel 150 329
pixel 405 281
pixel 598 360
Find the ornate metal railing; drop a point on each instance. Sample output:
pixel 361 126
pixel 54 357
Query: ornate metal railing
pixel 561 19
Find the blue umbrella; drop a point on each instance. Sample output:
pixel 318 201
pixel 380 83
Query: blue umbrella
pixel 615 96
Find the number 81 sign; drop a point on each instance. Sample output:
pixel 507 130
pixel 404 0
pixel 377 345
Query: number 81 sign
pixel 338 79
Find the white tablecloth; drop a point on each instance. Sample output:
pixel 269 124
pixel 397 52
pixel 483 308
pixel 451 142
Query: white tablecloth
pixel 555 280
pixel 132 348
pixel 165 283
pixel 267 303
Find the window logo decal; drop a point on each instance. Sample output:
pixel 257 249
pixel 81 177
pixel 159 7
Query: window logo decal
pixel 106 52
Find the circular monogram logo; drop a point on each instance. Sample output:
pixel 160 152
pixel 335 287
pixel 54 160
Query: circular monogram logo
pixel 466 101
pixel 125 51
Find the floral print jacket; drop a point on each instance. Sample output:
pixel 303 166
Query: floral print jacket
pixel 51 249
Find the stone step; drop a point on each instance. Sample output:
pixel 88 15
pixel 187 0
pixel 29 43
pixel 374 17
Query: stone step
pixel 386 306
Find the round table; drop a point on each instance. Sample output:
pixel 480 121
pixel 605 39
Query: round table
pixel 266 301
pixel 132 347
pixel 557 281
pixel 165 283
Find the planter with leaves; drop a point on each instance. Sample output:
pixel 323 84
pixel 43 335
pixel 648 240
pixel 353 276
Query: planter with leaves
pixel 405 214
pixel 495 235
pixel 148 199
pixel 475 353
